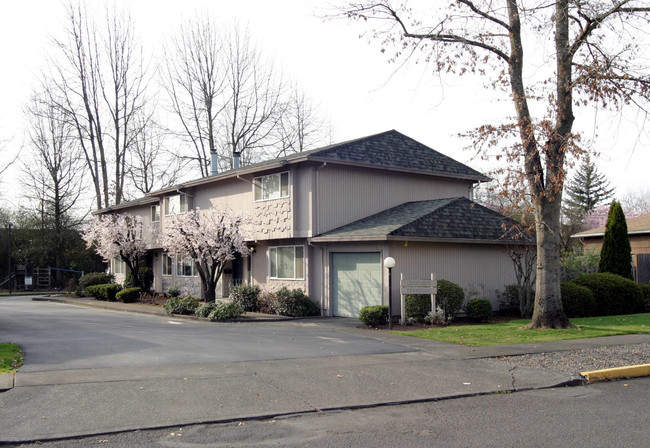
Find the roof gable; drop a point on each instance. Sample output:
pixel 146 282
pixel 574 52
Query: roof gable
pixel 439 219
pixel 393 149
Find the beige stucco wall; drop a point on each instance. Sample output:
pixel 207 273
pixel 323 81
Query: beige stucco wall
pixel 346 194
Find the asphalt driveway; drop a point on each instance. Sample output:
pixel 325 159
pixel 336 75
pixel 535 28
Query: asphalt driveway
pixel 59 337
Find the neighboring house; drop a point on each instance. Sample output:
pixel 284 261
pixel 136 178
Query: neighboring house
pixel 639 231
pixel 328 217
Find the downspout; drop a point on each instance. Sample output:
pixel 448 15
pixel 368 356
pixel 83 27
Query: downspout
pixel 316 198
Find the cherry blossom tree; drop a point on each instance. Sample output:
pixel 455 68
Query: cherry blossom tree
pixel 211 238
pixel 118 235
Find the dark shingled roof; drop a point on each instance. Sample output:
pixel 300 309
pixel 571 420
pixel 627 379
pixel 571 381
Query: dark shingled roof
pixel 440 219
pixel 393 149
pixel 389 150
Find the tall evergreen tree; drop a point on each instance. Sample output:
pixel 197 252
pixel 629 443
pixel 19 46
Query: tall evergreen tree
pixel 616 254
pixel 586 190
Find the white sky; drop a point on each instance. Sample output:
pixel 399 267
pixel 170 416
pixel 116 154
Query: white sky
pixel 349 78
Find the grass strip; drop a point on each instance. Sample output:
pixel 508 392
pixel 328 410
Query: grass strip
pixel 512 332
pixel 11 358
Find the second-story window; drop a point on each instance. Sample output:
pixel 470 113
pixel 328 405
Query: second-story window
pixel 176 204
pixel 273 186
pixel 155 213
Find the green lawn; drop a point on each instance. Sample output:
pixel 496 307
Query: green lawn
pixel 513 333
pixel 11 357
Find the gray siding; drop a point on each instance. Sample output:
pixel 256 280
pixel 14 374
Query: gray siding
pixel 348 194
pixel 478 266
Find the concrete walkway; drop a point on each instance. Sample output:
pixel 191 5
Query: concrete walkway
pixel 63 404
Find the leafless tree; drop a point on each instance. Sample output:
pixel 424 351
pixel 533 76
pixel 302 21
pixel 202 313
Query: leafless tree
pixel 97 77
pixel 53 170
pixel 194 77
pixel 300 127
pixel 254 92
pixel 151 165
pixel 592 55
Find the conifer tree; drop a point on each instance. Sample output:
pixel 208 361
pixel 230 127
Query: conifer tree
pixel 616 254
pixel 586 190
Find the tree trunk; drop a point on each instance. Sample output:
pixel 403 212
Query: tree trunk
pixel 209 291
pixel 548 311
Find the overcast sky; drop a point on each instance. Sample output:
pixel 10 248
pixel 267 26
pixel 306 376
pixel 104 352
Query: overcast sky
pixel 348 77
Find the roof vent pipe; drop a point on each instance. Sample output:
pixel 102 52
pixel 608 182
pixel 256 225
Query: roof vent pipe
pixel 214 169
pixel 236 157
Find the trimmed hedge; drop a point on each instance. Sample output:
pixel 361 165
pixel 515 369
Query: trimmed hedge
pixel 185 305
pixel 128 295
pixel 613 294
pixel 374 315
pixel 294 303
pixel 417 306
pixel 450 298
pixel 479 310
pixel 577 300
pixel 246 296
pixel 225 311
pixel 106 291
pixel 645 290
pixel 93 278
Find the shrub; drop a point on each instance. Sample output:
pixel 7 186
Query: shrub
pixel 246 296
pixel 576 263
pixel 613 294
pixel 205 309
pixel 146 279
pixel 374 315
pixel 225 311
pixel 266 303
pixel 509 301
pixel 173 291
pixel 185 305
pixel 438 318
pixel 450 297
pixel 106 291
pixel 479 310
pixel 578 301
pixel 294 303
pixel 93 278
pixel 128 295
pixel 645 290
pixel 616 254
pixel 417 306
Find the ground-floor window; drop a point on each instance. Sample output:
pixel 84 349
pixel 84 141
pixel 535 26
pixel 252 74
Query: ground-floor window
pixel 119 267
pixel 287 262
pixel 168 265
pixel 185 267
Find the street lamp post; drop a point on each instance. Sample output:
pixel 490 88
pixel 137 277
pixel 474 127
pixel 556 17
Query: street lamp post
pixel 9 255
pixel 389 262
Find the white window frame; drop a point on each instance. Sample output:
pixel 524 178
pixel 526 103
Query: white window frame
pixel 182 204
pixel 166 259
pixel 260 194
pixel 273 259
pixel 155 213
pixel 185 261
pixel 118 266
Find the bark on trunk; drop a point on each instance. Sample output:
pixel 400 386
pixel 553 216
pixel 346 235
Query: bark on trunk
pixel 548 311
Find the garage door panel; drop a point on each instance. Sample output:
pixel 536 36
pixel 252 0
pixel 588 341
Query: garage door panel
pixel 356 282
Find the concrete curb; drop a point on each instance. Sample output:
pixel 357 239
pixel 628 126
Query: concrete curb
pixel 7 381
pixel 617 372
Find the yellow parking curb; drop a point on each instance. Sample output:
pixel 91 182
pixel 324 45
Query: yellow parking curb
pixel 617 372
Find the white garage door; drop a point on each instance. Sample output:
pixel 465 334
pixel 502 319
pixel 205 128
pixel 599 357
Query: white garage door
pixel 356 282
